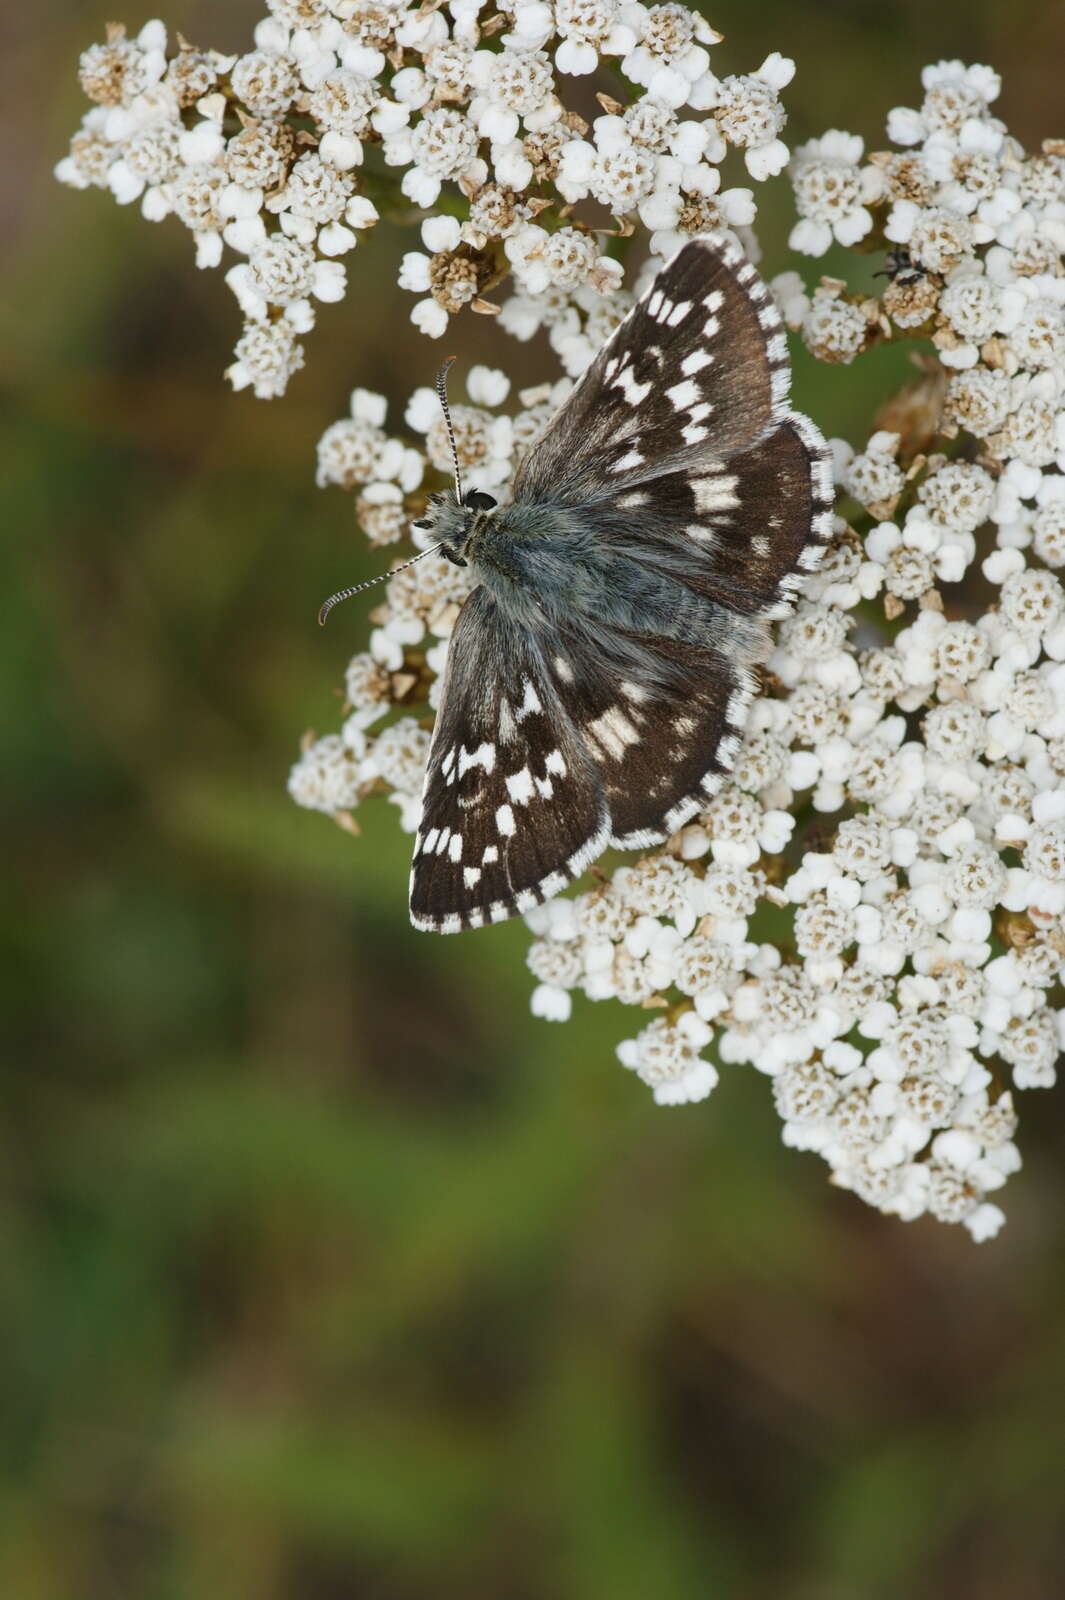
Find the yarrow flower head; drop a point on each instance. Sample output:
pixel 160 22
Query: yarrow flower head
pixel 832 192
pixel 267 154
pixel 272 154
pixel 871 912
pixel 922 982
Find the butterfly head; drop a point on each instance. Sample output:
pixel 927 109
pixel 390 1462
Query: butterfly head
pixel 452 521
pixel 453 516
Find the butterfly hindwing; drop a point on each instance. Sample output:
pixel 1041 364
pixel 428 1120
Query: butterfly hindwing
pixel 598 736
pixel 662 718
pixel 753 526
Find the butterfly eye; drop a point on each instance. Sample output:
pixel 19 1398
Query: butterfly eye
pixel 423 522
pixel 477 500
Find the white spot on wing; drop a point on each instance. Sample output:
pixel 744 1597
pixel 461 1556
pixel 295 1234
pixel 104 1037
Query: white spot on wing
pixel 695 362
pixel 454 847
pixel 633 391
pixel 484 756
pixel 555 764
pixel 683 395
pixel 471 876
pixel 613 732
pixel 715 493
pixel 632 458
pixel 634 692
pixel 520 787
pixel 531 701
pixel 505 820
pixel 489 855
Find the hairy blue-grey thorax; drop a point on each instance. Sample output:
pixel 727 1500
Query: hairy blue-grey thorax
pixel 550 565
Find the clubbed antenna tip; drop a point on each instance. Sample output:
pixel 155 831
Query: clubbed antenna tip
pixel 345 594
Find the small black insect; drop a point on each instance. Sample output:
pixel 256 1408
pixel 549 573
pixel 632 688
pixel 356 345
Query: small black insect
pixel 600 672
pixel 901 268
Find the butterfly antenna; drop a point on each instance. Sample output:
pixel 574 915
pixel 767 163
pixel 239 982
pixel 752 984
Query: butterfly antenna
pixel 346 594
pixel 441 390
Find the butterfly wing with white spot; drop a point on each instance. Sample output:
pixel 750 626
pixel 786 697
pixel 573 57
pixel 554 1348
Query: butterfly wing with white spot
pixel 661 717
pixel 677 457
pixel 681 429
pixel 551 745
pixel 513 806
pixel 744 532
pixel 698 367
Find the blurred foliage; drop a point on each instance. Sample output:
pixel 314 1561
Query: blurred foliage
pixel 325 1271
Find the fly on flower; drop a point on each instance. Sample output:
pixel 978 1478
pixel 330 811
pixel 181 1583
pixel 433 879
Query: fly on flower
pixel 599 675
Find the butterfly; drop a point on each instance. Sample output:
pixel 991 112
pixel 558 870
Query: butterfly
pixel 599 675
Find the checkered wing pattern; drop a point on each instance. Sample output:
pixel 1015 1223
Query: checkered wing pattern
pixel 514 805
pixel 678 474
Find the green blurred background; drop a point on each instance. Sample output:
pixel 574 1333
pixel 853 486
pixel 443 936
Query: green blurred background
pixel 325 1270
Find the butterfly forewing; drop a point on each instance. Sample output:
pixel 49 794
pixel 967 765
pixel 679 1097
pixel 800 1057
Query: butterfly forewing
pixel 513 807
pixel 699 365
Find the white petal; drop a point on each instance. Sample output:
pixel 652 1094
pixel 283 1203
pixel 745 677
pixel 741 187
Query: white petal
pixel 430 319
pixel 340 150
pixel 336 240
pixel 441 233
pixel 328 280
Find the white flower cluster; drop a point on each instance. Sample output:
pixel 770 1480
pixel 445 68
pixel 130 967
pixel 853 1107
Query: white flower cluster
pixel 872 911
pixel 356 453
pixel 276 153
pixel 978 229
pixel 408 644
